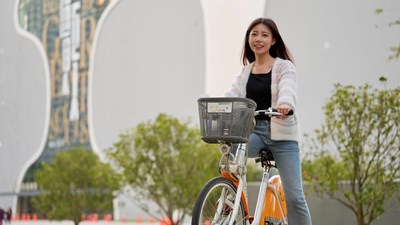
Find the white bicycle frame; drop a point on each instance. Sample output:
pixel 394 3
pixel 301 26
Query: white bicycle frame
pixel 239 169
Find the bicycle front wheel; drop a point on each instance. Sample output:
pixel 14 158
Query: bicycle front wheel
pixel 214 205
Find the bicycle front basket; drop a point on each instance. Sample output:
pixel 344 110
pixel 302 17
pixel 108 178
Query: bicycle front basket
pixel 226 119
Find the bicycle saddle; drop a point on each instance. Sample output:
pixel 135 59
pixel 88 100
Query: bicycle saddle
pixel 266 158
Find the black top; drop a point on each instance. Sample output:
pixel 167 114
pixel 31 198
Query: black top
pixel 258 89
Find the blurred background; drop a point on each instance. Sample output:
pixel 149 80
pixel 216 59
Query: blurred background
pixel 77 73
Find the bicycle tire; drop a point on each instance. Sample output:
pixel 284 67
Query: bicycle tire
pixel 205 211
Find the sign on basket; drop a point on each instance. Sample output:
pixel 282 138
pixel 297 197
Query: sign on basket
pixel 219 107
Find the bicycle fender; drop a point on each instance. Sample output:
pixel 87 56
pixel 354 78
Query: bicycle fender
pixel 272 205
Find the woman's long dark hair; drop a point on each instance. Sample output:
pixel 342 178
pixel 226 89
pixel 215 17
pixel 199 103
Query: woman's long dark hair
pixel 279 49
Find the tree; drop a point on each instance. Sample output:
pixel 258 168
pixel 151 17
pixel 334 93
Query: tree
pixel 358 145
pixel 165 162
pixel 75 182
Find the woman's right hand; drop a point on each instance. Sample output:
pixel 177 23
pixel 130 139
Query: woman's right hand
pixel 284 109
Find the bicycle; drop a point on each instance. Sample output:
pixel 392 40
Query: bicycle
pixel 227 122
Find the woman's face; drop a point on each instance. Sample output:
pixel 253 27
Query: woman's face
pixel 260 39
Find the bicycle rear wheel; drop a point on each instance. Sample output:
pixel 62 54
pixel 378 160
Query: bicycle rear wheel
pixel 215 202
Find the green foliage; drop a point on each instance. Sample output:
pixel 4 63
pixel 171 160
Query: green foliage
pixel 395 52
pixel 75 182
pixel 325 171
pixel 358 145
pixel 165 162
pixel 395 49
pixel 378 11
pixel 253 172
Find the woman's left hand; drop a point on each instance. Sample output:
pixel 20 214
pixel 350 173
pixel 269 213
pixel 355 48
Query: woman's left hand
pixel 284 109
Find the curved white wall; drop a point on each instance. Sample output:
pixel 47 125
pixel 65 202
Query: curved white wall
pixel 226 22
pixel 149 59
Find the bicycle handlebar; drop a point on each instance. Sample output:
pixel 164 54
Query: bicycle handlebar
pixel 271 112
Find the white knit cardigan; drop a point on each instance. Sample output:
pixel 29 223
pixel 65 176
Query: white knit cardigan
pixel 283 91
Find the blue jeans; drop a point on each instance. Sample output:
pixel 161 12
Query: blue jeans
pixel 287 158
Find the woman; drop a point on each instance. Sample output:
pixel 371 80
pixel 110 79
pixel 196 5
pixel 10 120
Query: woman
pixel 269 78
